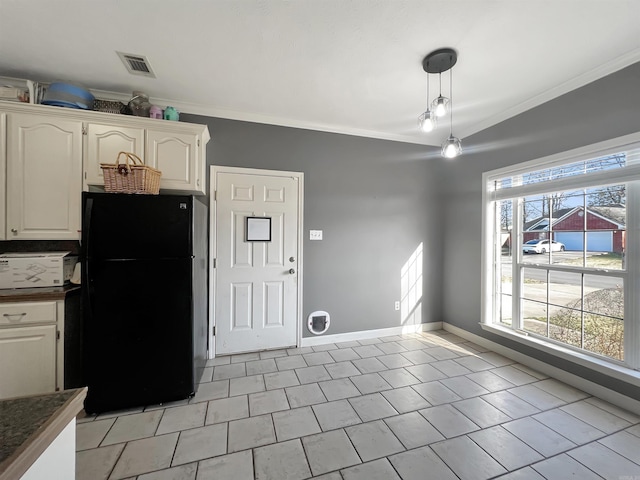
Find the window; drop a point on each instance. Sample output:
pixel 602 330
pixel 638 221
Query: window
pixel 561 251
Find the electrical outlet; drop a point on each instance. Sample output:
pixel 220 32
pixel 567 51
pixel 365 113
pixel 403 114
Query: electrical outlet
pixel 397 306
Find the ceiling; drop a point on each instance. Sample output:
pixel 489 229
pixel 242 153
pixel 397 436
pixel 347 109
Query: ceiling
pixel 348 66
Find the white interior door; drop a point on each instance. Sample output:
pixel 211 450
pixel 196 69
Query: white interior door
pixel 256 287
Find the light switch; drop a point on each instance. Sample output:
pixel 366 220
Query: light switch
pixel 315 234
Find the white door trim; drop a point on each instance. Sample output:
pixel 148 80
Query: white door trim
pixel 214 170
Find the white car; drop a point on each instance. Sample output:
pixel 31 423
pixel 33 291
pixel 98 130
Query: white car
pixel 542 246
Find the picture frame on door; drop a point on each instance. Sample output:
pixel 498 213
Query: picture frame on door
pixel 258 229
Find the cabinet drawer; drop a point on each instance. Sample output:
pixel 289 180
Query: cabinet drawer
pixel 27 312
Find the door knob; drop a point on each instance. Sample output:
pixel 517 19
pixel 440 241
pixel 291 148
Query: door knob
pixel 292 271
pixel 292 259
pixel 13 230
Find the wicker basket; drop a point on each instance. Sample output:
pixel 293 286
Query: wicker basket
pixel 132 176
pixel 111 106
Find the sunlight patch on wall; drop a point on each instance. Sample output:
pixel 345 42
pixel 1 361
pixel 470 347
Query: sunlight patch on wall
pixel 411 289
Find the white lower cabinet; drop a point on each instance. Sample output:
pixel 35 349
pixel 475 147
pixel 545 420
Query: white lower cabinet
pixel 31 349
pixel 28 359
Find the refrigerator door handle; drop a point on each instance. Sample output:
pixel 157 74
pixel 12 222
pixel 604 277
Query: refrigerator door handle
pixel 86 227
pixel 85 271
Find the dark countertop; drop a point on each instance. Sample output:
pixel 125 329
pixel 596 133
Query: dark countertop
pixel 29 424
pixel 8 295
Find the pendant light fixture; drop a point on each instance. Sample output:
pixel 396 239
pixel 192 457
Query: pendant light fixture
pixel 440 104
pixel 440 61
pixel 428 121
pixel 452 147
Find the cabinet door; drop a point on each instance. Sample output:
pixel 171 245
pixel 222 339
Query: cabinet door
pixel 28 359
pixel 44 177
pixel 3 176
pixel 103 144
pixel 177 156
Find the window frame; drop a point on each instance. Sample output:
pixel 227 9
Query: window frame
pixel 490 249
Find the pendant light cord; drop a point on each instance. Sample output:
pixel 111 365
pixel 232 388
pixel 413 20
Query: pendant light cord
pixel 427 90
pixel 451 101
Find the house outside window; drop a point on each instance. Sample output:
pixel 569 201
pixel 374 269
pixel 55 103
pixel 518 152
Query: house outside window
pixel 561 248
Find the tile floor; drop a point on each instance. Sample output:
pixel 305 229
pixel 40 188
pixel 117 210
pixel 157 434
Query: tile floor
pixel 427 405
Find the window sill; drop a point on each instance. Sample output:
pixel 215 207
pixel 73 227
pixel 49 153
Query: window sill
pixel 611 369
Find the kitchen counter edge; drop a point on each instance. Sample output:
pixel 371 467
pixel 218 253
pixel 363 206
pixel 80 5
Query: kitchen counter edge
pixel 10 295
pixel 26 454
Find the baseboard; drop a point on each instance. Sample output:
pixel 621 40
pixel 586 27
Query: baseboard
pixel 580 383
pixel 366 334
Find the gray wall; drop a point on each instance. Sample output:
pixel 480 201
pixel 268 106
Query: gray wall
pixel 375 201
pixel 604 109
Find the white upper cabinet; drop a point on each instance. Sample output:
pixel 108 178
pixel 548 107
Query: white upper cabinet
pixel 48 155
pixel 178 157
pixel 104 142
pixel 44 177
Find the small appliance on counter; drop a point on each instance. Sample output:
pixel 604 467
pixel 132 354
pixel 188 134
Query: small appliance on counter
pixel 36 269
pixel 144 298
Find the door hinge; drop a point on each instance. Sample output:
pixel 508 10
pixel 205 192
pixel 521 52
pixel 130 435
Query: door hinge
pixel 198 142
pixel 84 130
pixel 85 175
pixel 214 331
pixel 215 195
pixel 214 263
pixel 57 334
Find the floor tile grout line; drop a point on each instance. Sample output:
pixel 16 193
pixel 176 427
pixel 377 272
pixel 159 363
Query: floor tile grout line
pixel 595 440
pixel 533 383
pixel 612 450
pixel 117 460
pixel 564 452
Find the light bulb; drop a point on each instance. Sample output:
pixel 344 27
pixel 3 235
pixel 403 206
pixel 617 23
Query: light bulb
pixel 440 106
pixel 427 121
pixel 452 147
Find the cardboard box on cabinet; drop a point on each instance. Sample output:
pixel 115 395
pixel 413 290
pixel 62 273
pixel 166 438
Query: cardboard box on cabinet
pixel 36 269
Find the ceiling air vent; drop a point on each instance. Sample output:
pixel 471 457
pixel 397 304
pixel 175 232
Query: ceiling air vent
pixel 136 64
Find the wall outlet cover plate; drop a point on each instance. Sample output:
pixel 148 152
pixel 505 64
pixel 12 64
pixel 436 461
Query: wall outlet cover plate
pixel 315 234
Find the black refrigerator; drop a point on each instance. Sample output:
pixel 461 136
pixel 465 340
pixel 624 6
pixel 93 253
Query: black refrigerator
pixel 144 298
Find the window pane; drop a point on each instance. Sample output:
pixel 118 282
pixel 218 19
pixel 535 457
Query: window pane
pixel 606 227
pixel 603 307
pixel 534 317
pixel 534 303
pixel 506 307
pixel 565 289
pixel 534 284
pixel 604 296
pixel 604 335
pixel 506 282
pixel 565 325
pixel 580 167
pixel 567 226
